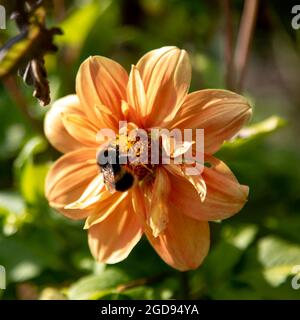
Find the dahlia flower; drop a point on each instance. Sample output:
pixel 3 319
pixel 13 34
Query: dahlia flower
pixel 172 209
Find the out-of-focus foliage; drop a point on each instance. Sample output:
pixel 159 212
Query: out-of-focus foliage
pixel 252 254
pixel 25 51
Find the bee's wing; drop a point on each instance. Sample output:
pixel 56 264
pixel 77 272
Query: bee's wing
pixel 109 178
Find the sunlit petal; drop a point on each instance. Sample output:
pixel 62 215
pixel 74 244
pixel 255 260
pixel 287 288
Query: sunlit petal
pixel 159 207
pixel 224 196
pixel 166 75
pixel 220 113
pixel 101 82
pixel 113 239
pixel 54 128
pixel 108 203
pixel 80 128
pixel 184 243
pixel 91 195
pixel 68 179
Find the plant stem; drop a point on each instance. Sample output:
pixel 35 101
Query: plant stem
pixel 185 285
pixel 228 43
pixel 59 10
pixel 244 41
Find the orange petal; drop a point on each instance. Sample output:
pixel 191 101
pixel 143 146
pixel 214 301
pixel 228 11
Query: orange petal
pixel 139 203
pixel 106 120
pixel 166 75
pixel 136 93
pixel 199 184
pixel 184 243
pixel 220 113
pixel 54 128
pixel 131 116
pixel 113 239
pixel 68 179
pixel 159 206
pixel 224 195
pixel 91 195
pixel 108 203
pixel 101 82
pixel 81 129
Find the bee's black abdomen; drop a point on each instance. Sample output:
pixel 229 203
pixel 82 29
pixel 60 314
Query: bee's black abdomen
pixel 111 163
pixel 125 183
pixel 116 168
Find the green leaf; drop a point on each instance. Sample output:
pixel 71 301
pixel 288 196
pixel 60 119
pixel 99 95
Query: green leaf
pixel 20 262
pixel 50 293
pixel 32 176
pixel 12 137
pixel 34 146
pixel 42 238
pixel 240 236
pixel 254 278
pixel 11 203
pixel 96 286
pixel 278 258
pixel 13 211
pixel 227 291
pixel 24 270
pixel 216 258
pixel 32 181
pixel 113 296
pixel 77 26
pixel 255 131
pixel 141 292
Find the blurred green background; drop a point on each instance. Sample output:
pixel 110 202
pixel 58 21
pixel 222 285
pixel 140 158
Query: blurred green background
pixel 252 254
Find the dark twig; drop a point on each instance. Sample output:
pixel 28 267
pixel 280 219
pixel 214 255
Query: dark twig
pixel 244 41
pixel 185 285
pixel 228 43
pixel 59 10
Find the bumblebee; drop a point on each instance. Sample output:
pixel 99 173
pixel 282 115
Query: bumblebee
pixel 116 175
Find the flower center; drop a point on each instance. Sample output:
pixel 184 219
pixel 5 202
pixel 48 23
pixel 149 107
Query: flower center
pixel 125 161
pixel 139 159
